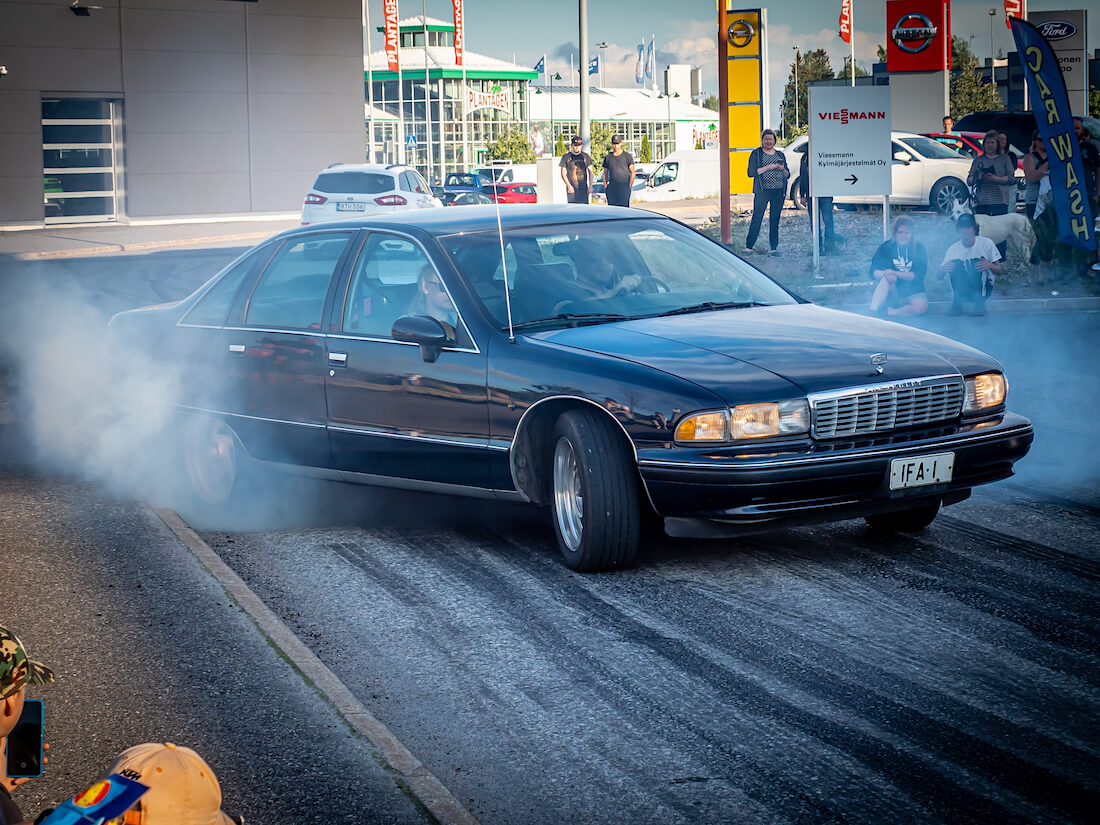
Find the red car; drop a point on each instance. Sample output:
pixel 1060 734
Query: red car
pixel 511 192
pixel 969 144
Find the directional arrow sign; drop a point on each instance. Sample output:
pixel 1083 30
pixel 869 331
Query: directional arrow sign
pixel 850 140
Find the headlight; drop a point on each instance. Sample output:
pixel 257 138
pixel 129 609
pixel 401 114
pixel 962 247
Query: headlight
pixel 746 421
pixel 763 420
pixel 984 391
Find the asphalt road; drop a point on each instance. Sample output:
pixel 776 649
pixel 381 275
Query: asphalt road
pixel 823 674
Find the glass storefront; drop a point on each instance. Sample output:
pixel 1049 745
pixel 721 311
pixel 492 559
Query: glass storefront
pixel 81 143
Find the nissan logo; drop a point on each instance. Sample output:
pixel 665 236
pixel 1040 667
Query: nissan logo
pixel 1057 29
pixel 740 33
pixel 913 32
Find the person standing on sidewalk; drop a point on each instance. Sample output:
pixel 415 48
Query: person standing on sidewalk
pixel 769 173
pixel 576 171
pixel 618 173
pixel 805 197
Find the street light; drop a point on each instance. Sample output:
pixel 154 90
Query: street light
pixel 601 46
pixel 796 88
pixel 668 109
pixel 992 67
pixel 552 78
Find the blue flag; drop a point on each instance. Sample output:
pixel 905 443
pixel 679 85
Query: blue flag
pixel 649 61
pixel 639 69
pixel 1049 102
pixel 594 65
pixel 540 67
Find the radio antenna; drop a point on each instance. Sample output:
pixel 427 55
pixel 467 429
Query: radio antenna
pixel 504 268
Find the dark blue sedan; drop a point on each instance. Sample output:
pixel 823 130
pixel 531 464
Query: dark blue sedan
pixel 607 363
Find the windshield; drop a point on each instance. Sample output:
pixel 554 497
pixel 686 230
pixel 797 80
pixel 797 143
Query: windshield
pixel 929 148
pixel 463 180
pixel 606 270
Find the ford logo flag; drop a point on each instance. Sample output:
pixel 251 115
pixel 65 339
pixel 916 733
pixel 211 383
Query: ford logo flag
pixel 1055 121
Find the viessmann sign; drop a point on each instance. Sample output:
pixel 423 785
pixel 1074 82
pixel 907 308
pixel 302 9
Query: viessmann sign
pixel 850 140
pixel 918 35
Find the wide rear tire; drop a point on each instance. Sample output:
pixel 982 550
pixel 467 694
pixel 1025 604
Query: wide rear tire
pixel 594 493
pixel 214 460
pixel 905 521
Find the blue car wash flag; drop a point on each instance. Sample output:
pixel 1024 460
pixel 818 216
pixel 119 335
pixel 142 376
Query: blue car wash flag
pixel 1050 104
pixel 104 801
pixel 540 67
pixel 594 65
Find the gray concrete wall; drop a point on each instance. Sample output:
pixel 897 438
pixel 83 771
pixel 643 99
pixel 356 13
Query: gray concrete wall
pixel 227 107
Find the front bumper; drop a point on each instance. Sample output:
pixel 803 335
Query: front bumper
pixel 739 492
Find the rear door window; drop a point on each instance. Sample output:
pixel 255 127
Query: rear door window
pixel 291 292
pixel 213 307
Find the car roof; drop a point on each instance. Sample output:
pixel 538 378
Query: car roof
pixel 385 169
pixel 440 222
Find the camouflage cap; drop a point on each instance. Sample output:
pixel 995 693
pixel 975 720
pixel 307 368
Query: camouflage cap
pixel 16 670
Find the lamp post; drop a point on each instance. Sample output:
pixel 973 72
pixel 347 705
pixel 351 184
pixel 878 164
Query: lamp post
pixel 796 88
pixel 992 67
pixel 601 46
pixel 552 78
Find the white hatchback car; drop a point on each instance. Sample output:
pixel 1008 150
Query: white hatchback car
pixel 925 173
pixel 345 190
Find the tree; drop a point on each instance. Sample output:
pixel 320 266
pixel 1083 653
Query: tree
pixel 1094 102
pixel 559 146
pixel 969 92
pixel 860 72
pixel 601 145
pixel 881 53
pixel 513 145
pixel 811 66
pixel 645 151
pixel 711 102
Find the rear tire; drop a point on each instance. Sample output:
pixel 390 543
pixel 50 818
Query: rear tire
pixel 594 493
pixel 905 521
pixel 214 460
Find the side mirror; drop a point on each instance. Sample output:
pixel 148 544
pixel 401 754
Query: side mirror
pixel 903 157
pixel 649 181
pixel 423 330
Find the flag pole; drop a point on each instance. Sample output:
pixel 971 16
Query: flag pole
pixel 852 39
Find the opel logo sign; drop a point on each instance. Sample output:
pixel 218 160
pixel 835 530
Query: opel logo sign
pixel 1057 29
pixel 740 33
pixel 913 32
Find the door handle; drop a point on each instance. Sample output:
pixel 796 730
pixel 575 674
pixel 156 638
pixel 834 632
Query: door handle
pixel 338 359
pixel 236 350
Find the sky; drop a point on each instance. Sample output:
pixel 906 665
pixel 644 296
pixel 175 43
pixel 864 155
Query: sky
pixel 501 28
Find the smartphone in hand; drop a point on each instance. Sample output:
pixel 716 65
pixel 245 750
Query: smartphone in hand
pixel 24 750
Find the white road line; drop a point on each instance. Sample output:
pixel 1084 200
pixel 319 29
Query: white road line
pixel 424 785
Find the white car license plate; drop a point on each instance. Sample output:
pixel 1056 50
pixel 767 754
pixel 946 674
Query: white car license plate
pixel 351 207
pixel 917 472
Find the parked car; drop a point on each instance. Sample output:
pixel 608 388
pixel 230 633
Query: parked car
pixel 1019 126
pixel 598 193
pixel 685 173
pixel 464 182
pixel 512 192
pixel 347 189
pixel 969 145
pixel 506 172
pixel 465 198
pixel 633 367
pixel 924 173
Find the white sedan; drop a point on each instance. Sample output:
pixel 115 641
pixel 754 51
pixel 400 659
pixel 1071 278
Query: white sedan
pixel 925 173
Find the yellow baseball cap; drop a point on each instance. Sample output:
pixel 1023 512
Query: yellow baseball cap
pixel 182 788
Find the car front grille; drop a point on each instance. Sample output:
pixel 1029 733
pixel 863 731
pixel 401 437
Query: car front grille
pixel 881 408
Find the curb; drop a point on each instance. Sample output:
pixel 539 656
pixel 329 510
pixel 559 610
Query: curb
pixel 423 785
pixel 138 246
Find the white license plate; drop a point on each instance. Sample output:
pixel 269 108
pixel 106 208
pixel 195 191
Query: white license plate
pixel 917 472
pixel 351 207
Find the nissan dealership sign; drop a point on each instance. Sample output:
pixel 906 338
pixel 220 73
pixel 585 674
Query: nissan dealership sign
pixel 918 36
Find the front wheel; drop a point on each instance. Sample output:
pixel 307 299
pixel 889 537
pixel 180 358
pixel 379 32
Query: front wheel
pixel 946 193
pixel 795 188
pixel 906 521
pixel 595 493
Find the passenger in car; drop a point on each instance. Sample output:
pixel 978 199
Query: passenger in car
pixel 431 299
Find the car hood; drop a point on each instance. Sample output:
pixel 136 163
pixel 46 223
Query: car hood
pixel 810 348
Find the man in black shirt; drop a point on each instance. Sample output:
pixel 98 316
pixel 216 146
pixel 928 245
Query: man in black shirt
pixel 576 171
pixel 618 174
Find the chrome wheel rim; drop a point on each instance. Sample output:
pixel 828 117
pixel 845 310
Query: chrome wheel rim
pixel 212 461
pixel 946 198
pixel 568 498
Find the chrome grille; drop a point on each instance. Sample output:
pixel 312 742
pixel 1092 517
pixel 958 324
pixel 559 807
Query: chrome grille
pixel 884 407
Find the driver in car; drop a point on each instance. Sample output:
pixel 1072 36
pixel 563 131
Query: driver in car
pixel 431 299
